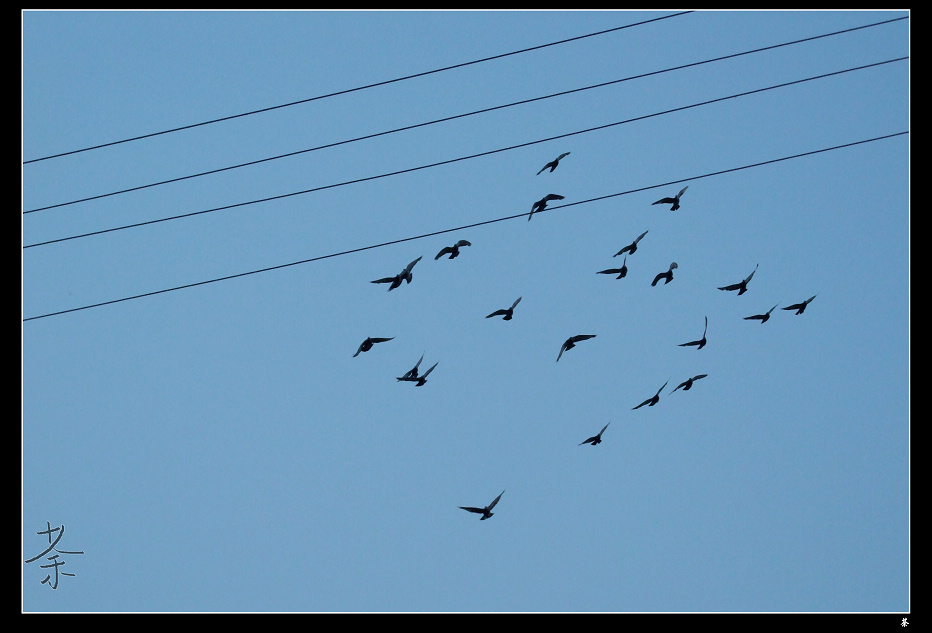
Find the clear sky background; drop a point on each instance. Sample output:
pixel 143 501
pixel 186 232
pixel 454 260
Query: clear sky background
pixel 213 445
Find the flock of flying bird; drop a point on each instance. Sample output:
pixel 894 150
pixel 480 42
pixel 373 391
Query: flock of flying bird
pixel 405 276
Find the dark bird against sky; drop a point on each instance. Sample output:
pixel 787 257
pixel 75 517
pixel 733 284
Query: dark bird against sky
pixel 701 342
pixel 675 201
pixel 486 512
pixel 505 313
pixel 688 383
pixel 404 275
pixel 570 343
pixel 801 307
pixel 667 276
pixel 541 204
pixel 553 164
pixel 621 272
pixel 741 286
pixel 452 250
pixel 763 318
pixel 632 247
pixel 653 399
pixel 366 345
pixel 595 439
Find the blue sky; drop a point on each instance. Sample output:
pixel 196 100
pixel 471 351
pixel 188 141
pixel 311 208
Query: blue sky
pixel 191 408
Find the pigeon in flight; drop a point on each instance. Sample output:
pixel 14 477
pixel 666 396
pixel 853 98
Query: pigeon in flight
pixel 505 313
pixel 687 384
pixel 621 272
pixel 595 439
pixel 675 201
pixel 741 286
pixel 541 204
pixel 411 374
pixel 653 399
pixel 486 512
pixel 570 343
pixel 553 164
pixel 632 247
pixel 763 318
pixel 452 250
pixel 366 345
pixel 404 275
pixel 667 276
pixel 801 307
pixel 701 342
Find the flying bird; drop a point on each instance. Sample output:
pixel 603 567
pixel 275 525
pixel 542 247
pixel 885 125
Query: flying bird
pixel 701 342
pixel 687 384
pixel 486 512
pixel 411 374
pixel 541 204
pixel 404 275
pixel 653 399
pixel 632 247
pixel 761 317
pixel 452 250
pixel 505 313
pixel 621 272
pixel 667 276
pixel 421 380
pixel 366 345
pixel 553 164
pixel 741 286
pixel 595 439
pixel 570 343
pixel 801 307
pixel 675 201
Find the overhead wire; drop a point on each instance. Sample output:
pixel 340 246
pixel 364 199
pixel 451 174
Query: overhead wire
pixel 463 115
pixel 468 226
pixel 468 157
pixel 358 88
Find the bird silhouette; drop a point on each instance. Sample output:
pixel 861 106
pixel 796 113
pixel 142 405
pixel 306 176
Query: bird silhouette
pixel 701 342
pixel 621 272
pixel 741 286
pixel 366 345
pixel 632 247
pixel 688 383
pixel 404 275
pixel 452 250
pixel 553 164
pixel 801 307
pixel 541 204
pixel 595 439
pixel 421 380
pixel 486 512
pixel 763 318
pixel 653 399
pixel 675 201
pixel 505 313
pixel 411 374
pixel 570 343
pixel 667 276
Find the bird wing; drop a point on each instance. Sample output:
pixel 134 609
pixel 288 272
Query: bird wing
pixel 581 337
pixel 384 280
pixel 476 510
pixel 603 429
pixel 463 243
pixel 410 266
pixel 661 389
pixel 730 287
pixel 562 349
pixel 497 313
pixel 751 275
pixel 381 340
pixel 444 251
pixel 429 370
pixel 492 505
pixel 700 376
pixel 643 403
pixel 561 157
pixel 553 196
pixel 359 350
pixel 665 201
pixel 517 301
pixel 682 191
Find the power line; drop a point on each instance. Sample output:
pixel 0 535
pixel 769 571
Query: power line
pixel 467 226
pixel 460 116
pixel 462 158
pixel 357 89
